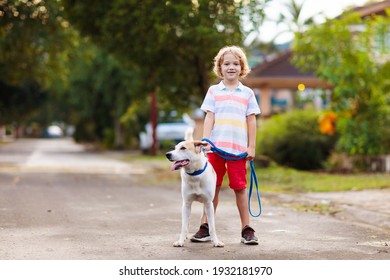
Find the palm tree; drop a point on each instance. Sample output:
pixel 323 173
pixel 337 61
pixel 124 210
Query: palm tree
pixel 293 18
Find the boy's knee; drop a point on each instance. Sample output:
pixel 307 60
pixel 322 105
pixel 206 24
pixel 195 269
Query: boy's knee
pixel 240 191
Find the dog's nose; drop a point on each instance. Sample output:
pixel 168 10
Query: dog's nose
pixel 168 155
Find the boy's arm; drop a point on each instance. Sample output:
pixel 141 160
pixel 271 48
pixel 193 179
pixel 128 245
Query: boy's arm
pixel 208 126
pixel 251 124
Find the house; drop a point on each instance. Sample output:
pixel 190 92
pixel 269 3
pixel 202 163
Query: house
pixel 278 82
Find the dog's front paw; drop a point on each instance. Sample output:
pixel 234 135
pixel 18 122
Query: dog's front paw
pixel 218 244
pixel 178 244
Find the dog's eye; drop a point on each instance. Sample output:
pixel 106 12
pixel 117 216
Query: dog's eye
pixel 183 148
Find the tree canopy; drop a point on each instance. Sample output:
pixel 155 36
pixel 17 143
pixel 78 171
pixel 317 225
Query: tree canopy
pixel 96 62
pixel 33 35
pixel 172 42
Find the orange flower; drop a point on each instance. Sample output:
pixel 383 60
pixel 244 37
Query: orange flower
pixel 327 123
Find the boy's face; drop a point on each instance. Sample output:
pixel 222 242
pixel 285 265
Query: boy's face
pixel 231 67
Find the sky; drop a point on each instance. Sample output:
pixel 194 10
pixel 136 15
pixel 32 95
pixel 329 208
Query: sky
pixel 330 8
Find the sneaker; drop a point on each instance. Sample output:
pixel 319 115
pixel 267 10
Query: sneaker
pixel 248 236
pixel 202 235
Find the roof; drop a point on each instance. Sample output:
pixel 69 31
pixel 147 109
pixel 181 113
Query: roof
pixel 281 73
pixel 280 67
pixel 373 9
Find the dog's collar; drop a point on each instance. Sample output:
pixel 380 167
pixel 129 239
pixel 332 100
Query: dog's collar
pixel 198 172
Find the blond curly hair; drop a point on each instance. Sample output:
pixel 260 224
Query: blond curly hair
pixel 237 52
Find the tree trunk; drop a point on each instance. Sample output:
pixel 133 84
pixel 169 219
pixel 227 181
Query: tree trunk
pixel 153 120
pixel 119 142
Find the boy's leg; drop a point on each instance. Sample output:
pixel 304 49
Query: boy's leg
pixel 203 233
pixel 237 181
pixel 242 205
pixel 218 164
pixel 203 219
pixel 247 233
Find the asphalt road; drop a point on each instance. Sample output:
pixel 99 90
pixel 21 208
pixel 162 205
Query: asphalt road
pixel 60 201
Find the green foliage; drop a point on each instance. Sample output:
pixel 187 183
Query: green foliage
pixel 33 36
pixel 172 42
pixel 366 133
pixel 294 139
pixel 167 46
pixel 18 102
pixel 100 81
pixel 30 33
pixel 352 54
pixel 98 94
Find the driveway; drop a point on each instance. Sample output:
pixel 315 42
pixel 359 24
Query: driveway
pixel 61 201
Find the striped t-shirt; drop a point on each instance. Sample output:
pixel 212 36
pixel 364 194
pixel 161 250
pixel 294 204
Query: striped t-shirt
pixel 230 109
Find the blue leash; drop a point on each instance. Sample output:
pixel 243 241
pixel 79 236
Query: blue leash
pixel 253 177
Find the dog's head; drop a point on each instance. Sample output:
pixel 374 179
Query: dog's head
pixel 185 152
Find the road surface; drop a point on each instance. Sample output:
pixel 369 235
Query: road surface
pixel 61 201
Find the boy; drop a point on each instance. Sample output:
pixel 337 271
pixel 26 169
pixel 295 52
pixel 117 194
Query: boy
pixel 230 123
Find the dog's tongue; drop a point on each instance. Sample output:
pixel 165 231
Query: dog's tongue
pixel 179 164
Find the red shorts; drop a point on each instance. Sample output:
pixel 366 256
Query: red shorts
pixel 236 171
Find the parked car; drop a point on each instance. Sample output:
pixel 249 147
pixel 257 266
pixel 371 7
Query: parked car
pixel 53 131
pixel 166 132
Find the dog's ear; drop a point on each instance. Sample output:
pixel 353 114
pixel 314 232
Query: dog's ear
pixel 199 145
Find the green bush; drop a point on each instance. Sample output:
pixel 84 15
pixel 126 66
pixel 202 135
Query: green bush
pixel 294 140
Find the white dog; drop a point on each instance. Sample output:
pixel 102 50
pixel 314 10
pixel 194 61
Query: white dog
pixel 198 180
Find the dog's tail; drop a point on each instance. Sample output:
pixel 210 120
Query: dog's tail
pixel 189 134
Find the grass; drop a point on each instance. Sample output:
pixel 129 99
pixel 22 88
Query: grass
pixel 321 208
pixel 280 179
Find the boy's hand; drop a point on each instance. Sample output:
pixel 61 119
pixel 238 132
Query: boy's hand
pixel 251 153
pixel 206 146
